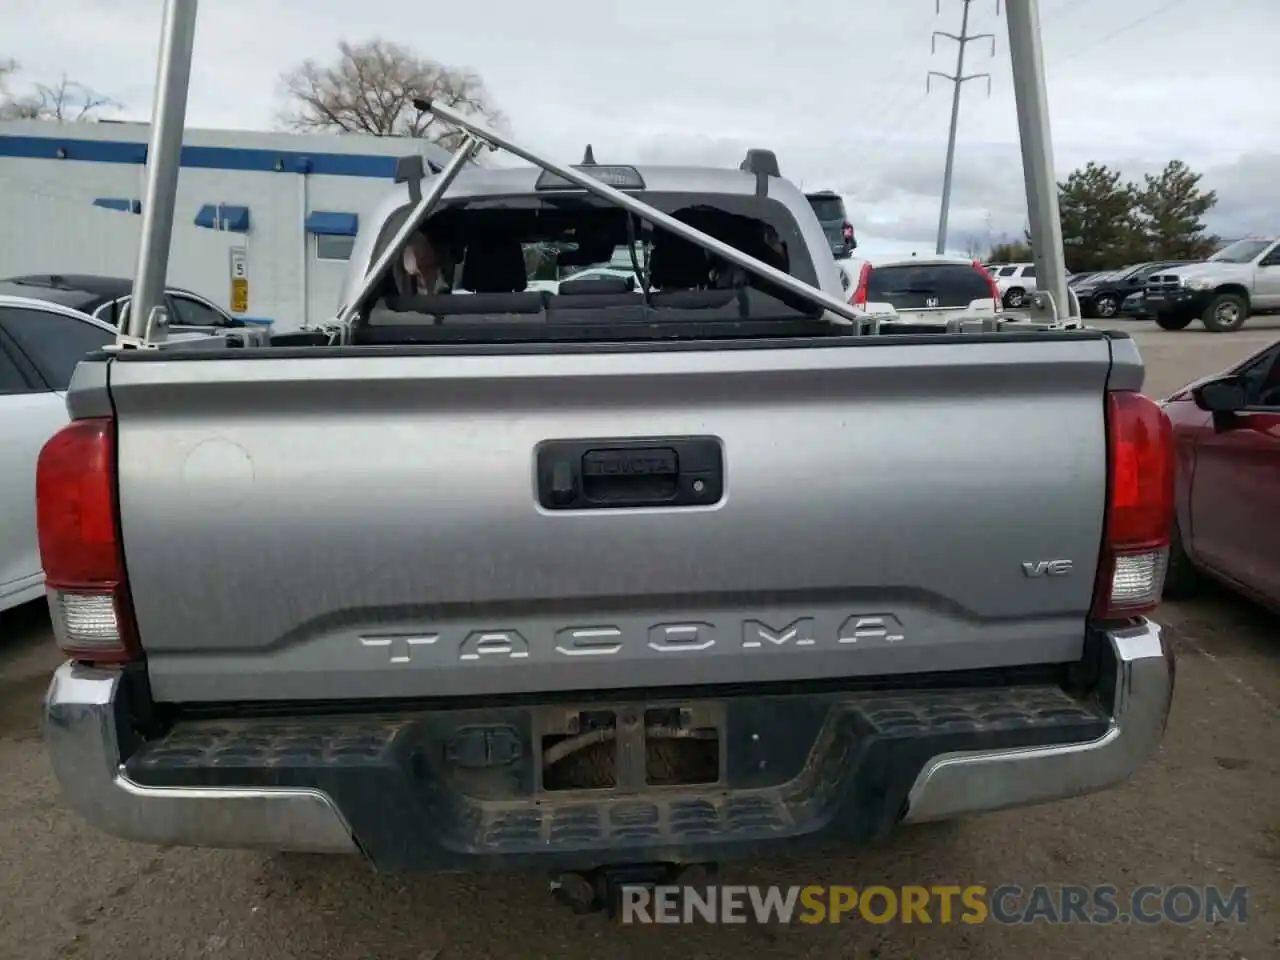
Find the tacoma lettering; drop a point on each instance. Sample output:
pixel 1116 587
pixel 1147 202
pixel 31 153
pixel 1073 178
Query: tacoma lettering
pixel 755 634
pixel 634 638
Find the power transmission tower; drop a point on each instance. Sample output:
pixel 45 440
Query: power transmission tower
pixel 957 80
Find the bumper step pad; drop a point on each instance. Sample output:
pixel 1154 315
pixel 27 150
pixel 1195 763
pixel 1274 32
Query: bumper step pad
pixel 809 769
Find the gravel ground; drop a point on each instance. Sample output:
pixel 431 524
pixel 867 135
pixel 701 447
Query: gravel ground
pixel 1207 811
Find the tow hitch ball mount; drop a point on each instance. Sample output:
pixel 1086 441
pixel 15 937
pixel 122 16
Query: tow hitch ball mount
pixel 593 891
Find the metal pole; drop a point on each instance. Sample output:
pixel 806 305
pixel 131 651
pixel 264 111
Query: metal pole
pixel 461 157
pixel 951 136
pixel 843 310
pixel 1026 52
pixel 164 156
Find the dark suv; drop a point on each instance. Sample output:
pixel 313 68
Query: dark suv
pixel 1103 294
pixel 829 209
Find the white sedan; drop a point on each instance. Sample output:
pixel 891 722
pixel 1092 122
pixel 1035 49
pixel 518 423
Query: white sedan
pixel 40 345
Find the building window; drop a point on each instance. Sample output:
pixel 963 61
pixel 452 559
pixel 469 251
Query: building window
pixel 333 248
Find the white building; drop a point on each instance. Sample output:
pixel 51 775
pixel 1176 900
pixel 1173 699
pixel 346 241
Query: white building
pixel 287 204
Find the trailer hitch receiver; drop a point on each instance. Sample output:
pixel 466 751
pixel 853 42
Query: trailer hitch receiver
pixel 605 889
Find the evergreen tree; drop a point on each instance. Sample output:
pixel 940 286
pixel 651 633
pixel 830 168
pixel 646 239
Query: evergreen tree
pixel 1099 226
pixel 1010 252
pixel 1169 208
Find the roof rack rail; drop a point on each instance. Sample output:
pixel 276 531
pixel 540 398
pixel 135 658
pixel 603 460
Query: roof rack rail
pixel 761 162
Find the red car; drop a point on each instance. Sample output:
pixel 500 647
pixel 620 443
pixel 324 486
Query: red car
pixel 1227 431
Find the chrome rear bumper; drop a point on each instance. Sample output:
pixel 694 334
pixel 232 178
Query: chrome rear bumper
pixel 1139 684
pixel 86 722
pixel 83 740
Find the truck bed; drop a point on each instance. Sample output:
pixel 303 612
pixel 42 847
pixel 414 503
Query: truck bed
pixel 363 523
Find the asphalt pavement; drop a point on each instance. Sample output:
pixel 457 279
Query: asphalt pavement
pixel 1205 812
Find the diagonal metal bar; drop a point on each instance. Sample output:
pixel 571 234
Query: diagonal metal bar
pixel 844 312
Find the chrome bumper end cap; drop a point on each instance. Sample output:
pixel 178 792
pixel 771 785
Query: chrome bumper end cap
pixel 82 737
pixel 1138 690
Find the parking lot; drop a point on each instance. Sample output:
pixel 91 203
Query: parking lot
pixel 1207 812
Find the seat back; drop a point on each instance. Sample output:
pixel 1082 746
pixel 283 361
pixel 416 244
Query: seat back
pixel 677 264
pixel 494 265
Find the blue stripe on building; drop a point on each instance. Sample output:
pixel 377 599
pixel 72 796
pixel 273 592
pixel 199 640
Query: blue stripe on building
pixel 333 224
pixel 206 158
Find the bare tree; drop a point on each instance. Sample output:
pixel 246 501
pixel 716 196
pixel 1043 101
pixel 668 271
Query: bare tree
pixel 65 101
pixel 371 87
pixel 8 68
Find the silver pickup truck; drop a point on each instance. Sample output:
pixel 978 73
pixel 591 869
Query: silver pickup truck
pixel 610 579
pixel 1240 280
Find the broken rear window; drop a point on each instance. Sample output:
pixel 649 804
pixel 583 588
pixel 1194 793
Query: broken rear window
pixel 497 251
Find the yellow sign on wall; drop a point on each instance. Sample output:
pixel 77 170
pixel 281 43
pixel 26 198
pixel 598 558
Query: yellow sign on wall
pixel 239 280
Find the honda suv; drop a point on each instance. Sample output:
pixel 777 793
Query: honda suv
pixel 928 289
pixel 829 209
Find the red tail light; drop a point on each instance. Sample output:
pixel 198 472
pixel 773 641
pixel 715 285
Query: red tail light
pixel 847 231
pixel 80 550
pixel 1139 517
pixel 859 298
pixel 991 282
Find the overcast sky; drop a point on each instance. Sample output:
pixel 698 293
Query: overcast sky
pixel 837 89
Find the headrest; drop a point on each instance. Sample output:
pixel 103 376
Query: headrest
pixel 494 266
pixel 677 264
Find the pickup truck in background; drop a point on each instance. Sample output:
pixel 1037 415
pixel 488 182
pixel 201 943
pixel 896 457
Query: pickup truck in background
pixel 605 580
pixel 1241 279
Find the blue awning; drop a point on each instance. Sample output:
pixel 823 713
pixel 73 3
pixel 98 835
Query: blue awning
pixel 224 216
pixel 119 203
pixel 333 224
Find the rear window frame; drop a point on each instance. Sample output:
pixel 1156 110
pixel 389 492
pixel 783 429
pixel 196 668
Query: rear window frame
pixel 777 214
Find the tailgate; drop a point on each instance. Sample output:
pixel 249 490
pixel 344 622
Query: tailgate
pixel 361 526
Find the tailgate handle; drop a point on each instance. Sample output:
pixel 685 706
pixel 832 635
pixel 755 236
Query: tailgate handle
pixel 604 474
pixel 633 476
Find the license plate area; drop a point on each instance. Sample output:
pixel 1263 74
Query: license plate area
pixel 629 748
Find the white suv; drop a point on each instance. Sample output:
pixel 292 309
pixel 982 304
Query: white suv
pixel 1015 281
